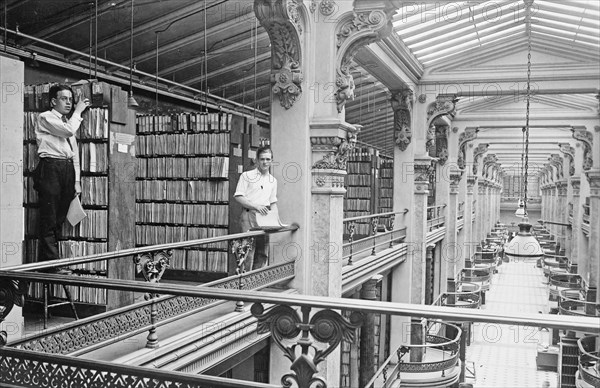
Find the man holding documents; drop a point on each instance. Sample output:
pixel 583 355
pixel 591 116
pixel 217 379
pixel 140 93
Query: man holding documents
pixel 256 191
pixel 57 176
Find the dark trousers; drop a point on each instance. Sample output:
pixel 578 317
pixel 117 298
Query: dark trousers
pixel 258 256
pixel 55 183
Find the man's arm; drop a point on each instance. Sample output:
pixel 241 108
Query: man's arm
pixel 245 202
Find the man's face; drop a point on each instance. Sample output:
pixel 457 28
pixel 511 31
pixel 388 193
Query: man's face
pixel 63 101
pixel 263 161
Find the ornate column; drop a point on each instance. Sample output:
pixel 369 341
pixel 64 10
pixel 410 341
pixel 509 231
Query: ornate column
pixel 576 233
pixel 561 188
pixel 568 171
pixel 367 334
pixel 468 247
pixel 593 270
pixel 417 251
pixel 404 173
pixel 311 50
pixel 450 251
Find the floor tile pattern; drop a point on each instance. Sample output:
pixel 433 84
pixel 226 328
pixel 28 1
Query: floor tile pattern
pixel 504 356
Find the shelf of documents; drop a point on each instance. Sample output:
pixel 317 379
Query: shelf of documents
pixel 90 236
pixel 182 186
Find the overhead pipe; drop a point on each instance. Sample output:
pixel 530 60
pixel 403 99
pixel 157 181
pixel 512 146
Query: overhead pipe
pixel 138 72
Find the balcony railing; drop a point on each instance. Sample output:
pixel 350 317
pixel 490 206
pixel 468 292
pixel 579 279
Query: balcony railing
pixel 572 302
pixel 554 264
pixel 561 281
pixel 440 354
pixel 468 296
pixel 383 234
pixel 589 361
pixel 435 217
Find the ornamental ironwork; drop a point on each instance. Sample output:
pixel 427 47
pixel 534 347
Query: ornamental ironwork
pixel 289 331
pixel 108 326
pixel 12 293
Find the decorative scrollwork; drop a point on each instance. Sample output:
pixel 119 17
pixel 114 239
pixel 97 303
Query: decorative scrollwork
pixel 286 325
pixel 443 105
pixel 402 103
pixel 587 138
pixel 282 21
pixel 152 265
pixel 337 158
pixel 569 152
pixel 327 7
pixel 468 135
pixel 353 32
pixel 477 153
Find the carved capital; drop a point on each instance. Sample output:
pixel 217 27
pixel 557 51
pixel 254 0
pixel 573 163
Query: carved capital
pixel 443 105
pixel 283 22
pixel 593 177
pixel 441 143
pixel 455 177
pixel 402 102
pixel 291 333
pixel 422 170
pixel 575 184
pixel 587 140
pixel 354 31
pixel 336 151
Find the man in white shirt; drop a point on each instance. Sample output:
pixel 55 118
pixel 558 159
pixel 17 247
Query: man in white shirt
pixel 256 191
pixel 57 176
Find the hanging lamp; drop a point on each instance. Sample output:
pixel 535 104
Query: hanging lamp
pixel 524 244
pixel 520 212
pixel 131 102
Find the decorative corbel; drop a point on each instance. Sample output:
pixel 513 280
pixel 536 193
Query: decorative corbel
pixel 468 135
pixel 430 138
pixel 442 106
pixel 402 102
pixel 477 153
pixel 290 332
pixel 441 143
pixel 488 161
pixel 569 152
pixel 557 161
pixel 587 140
pixel 283 22
pixel 355 30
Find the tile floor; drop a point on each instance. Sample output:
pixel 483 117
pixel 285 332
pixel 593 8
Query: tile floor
pixel 505 356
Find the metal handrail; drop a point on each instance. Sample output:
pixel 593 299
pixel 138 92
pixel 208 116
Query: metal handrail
pixel 571 306
pixel 402 366
pixel 374 216
pixel 588 359
pixel 150 248
pixel 585 324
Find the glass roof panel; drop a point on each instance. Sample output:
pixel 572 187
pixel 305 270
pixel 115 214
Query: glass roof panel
pixel 459 26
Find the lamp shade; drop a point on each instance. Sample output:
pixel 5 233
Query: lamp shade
pixel 524 245
pixel 520 212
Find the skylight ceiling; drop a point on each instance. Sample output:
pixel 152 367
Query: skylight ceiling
pixel 438 31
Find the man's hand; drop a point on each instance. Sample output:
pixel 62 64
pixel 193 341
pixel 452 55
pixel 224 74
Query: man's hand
pixel 77 188
pixel 82 104
pixel 264 210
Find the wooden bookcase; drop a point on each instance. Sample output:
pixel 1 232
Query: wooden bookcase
pixel 369 186
pixel 188 167
pixel 105 140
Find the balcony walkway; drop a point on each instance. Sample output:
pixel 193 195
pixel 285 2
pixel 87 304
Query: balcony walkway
pixel 505 356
